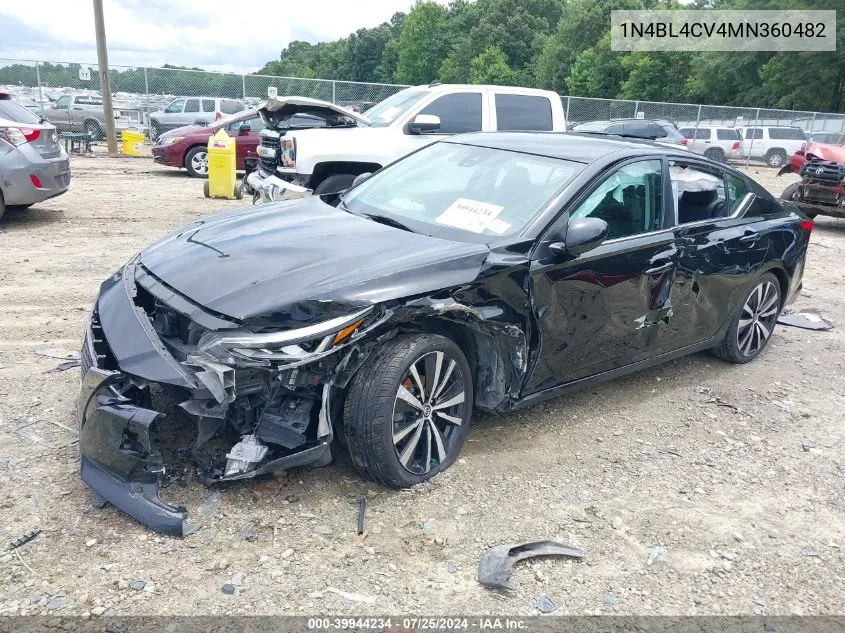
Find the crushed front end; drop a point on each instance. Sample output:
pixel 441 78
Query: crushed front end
pixel 262 400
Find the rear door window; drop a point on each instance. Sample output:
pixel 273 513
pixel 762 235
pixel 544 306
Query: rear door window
pixel 786 134
pixel 737 190
pixel 459 112
pixel 192 105
pixel 753 133
pixel 208 105
pixel 523 112
pixel 698 193
pixel 727 134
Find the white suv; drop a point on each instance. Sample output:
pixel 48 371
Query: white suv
pixel 772 145
pixel 191 111
pixel 717 142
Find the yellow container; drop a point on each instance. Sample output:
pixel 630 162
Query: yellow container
pixel 133 142
pixel 222 182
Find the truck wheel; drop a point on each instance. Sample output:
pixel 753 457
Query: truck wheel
pixel 334 184
pixel 775 157
pixel 792 192
pixel 196 162
pixel 93 129
pixel 408 409
pixel 715 153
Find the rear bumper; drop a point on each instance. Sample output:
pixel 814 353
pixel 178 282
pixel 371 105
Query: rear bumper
pixel 23 162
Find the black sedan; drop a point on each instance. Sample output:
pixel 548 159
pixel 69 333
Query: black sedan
pixel 485 271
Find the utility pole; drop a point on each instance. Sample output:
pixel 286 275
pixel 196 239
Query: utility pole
pixel 105 84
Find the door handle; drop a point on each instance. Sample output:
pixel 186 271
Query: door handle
pixel 749 238
pixel 659 269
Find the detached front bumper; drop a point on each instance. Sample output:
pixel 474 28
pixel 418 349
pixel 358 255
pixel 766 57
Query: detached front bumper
pixel 272 188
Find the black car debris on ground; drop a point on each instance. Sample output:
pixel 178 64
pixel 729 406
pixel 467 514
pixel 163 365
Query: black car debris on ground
pixel 486 270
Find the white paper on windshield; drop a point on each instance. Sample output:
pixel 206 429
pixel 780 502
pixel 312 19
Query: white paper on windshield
pixel 475 216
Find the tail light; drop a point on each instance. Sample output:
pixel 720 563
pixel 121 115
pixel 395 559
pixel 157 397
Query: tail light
pixel 218 116
pixel 35 180
pixel 735 146
pixel 684 141
pixel 19 135
pixel 807 225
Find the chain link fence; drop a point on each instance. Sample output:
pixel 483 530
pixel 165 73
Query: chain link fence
pixel 147 90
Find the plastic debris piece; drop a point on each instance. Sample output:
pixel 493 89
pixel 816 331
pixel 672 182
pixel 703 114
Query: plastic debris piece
pixel 806 319
pixel 23 540
pixel 495 567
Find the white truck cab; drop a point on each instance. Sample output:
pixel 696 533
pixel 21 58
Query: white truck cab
pixel 327 159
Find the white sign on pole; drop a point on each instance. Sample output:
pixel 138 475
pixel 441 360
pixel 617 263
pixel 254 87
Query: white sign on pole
pixel 640 115
pixel 272 92
pixel 85 73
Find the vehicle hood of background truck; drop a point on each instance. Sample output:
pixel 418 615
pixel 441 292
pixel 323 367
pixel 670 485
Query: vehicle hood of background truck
pixel 262 262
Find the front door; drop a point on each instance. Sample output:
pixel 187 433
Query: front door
pixel 609 306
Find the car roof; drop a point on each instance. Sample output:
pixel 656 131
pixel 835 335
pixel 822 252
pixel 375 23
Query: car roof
pixel 572 146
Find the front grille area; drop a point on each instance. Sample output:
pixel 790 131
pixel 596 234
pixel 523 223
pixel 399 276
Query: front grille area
pixel 95 349
pixel 271 142
pixel 823 172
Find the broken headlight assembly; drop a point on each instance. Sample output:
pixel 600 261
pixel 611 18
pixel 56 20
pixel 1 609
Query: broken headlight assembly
pixel 299 346
pixel 289 152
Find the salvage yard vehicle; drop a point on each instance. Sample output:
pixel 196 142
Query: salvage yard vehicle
pixel 84 113
pixel 192 111
pixel 716 142
pixel 822 187
pixel 656 130
pixel 328 160
pixel 773 145
pixel 33 166
pixel 487 270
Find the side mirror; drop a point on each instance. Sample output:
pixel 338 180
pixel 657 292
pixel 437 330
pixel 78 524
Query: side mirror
pixel 424 124
pixel 582 235
pixel 243 130
pixel 361 178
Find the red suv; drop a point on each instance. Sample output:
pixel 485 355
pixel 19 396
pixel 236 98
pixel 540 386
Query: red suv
pixel 187 146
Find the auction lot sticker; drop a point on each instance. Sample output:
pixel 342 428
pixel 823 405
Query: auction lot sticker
pixel 475 216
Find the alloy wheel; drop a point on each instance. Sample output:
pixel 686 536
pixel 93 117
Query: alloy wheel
pixel 199 163
pixel 429 408
pixel 758 318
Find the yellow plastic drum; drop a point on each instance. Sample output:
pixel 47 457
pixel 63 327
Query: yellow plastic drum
pixel 133 142
pixel 222 182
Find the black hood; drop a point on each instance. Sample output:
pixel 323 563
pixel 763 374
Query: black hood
pixel 304 260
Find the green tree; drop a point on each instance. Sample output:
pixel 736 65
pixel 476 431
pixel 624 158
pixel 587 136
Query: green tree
pixel 422 44
pixel 597 72
pixel 491 67
pixel 655 76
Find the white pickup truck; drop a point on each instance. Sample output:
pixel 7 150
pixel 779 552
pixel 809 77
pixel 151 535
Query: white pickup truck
pixel 327 157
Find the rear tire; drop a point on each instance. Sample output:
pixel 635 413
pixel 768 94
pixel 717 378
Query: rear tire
pixel 398 443
pixel 775 157
pixel 93 129
pixel 753 323
pixel 715 153
pixel 196 162
pixel 2 206
pixel 334 184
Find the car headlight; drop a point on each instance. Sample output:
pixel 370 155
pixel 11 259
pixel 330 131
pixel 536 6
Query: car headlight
pixel 289 152
pixel 171 139
pixel 289 346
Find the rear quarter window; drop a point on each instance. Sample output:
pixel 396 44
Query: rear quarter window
pixel 727 134
pixel 786 134
pixel 523 112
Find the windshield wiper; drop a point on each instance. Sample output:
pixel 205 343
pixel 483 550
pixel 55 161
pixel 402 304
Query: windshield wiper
pixel 383 219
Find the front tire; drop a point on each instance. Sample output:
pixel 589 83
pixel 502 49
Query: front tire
pixel 754 321
pixel 408 410
pixel 334 184
pixel 196 162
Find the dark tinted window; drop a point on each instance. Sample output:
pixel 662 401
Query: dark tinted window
pixel 208 105
pixel 727 134
pixel 192 105
pixel 13 112
pixel 645 129
pixel 460 112
pixel 230 106
pixel 615 128
pixel 523 112
pixel 786 134
pixel 701 133
pixel 755 133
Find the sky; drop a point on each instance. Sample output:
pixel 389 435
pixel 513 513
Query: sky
pixel 222 35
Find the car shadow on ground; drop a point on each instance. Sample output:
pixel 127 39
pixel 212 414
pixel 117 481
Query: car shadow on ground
pixel 834 227
pixel 19 219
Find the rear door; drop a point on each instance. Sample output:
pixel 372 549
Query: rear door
pixel 59 114
pixel 519 112
pixel 191 113
pixel 209 110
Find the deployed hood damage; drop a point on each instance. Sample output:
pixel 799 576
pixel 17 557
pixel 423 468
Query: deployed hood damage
pixel 276 112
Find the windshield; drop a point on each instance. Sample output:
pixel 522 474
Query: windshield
pixel 386 112
pixel 463 191
pixel 11 111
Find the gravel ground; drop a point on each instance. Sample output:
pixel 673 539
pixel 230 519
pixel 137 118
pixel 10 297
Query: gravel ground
pixel 697 487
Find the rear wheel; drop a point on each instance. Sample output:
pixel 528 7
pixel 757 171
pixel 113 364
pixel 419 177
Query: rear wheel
pixel 408 410
pixel 775 157
pixel 334 184
pixel 752 325
pixel 93 129
pixel 715 153
pixel 196 162
pixel 2 205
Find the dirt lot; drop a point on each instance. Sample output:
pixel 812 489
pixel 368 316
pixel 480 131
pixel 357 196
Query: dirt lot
pixel 738 502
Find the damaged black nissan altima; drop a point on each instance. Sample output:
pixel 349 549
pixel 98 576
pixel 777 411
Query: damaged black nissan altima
pixel 484 271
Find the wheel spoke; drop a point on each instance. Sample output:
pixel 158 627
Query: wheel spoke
pixel 747 308
pixel 438 442
pixel 418 380
pixel 744 323
pixel 745 339
pixel 451 402
pixel 770 300
pixel 449 418
pixel 427 448
pixel 411 446
pixel 433 367
pixel 449 369
pixel 763 330
pixel 401 435
pixel 406 396
pixel 758 295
